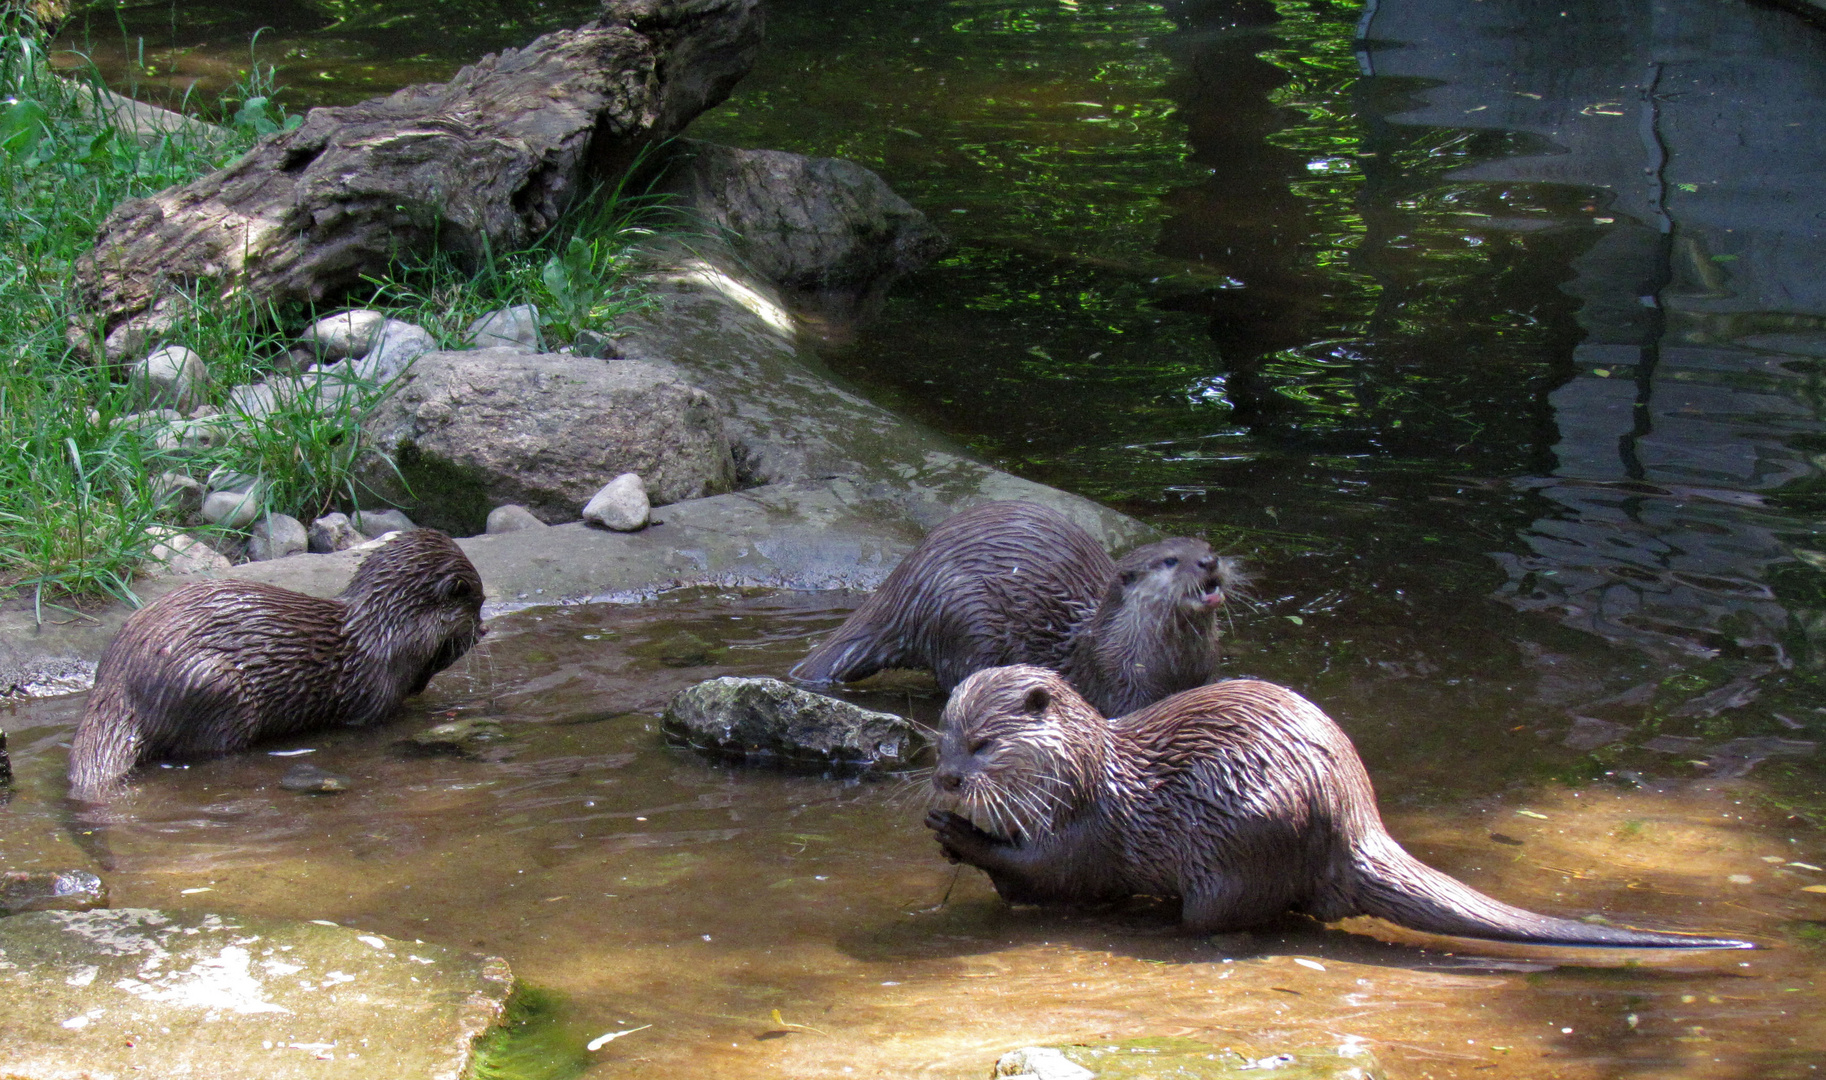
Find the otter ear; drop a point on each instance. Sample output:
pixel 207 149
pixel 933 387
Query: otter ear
pixel 1037 700
pixel 454 587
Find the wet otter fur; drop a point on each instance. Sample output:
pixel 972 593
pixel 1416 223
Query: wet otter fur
pixel 216 666
pixel 1017 583
pixel 1240 798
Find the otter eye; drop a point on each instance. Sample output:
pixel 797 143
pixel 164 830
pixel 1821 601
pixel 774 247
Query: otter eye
pixel 1170 561
pixel 1037 700
pixel 979 745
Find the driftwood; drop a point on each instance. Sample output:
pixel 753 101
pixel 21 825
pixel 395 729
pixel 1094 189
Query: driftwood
pixel 489 160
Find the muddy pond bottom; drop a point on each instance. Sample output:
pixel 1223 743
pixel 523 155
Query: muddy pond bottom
pixel 761 924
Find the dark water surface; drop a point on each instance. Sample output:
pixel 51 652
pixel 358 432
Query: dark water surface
pixel 1491 333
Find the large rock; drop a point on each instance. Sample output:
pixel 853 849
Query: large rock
pixel 486 161
pixel 137 992
pixel 829 231
pixel 766 721
pixel 471 430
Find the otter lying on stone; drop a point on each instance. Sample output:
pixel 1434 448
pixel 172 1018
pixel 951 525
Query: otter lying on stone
pixel 216 666
pixel 1240 798
pixel 1017 583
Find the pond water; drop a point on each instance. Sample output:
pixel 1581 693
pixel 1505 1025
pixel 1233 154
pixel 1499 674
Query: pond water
pixel 1491 334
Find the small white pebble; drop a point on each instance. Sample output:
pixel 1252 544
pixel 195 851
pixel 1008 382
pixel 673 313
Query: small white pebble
pixel 1741 879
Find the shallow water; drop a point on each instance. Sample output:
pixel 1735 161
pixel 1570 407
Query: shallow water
pixel 649 886
pixel 1490 335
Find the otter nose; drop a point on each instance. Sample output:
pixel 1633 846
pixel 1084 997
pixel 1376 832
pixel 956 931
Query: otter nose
pixel 1209 562
pixel 948 781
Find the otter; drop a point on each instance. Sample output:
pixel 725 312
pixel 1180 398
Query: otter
pixel 1240 798
pixel 1017 583
pixel 216 666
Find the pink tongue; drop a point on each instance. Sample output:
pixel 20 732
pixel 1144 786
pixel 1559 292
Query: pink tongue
pixel 1214 598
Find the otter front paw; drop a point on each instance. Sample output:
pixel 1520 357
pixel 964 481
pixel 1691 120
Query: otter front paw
pixel 958 838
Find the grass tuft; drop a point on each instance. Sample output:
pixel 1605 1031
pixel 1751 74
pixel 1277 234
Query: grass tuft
pixel 77 473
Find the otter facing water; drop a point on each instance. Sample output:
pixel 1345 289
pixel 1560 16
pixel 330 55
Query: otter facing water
pixel 215 666
pixel 1017 583
pixel 1240 798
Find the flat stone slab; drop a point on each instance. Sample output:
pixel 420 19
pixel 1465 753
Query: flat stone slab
pixel 137 992
pixel 766 721
pixel 1186 1059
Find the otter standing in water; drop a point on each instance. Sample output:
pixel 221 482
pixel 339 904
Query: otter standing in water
pixel 1017 583
pixel 215 666
pixel 1241 798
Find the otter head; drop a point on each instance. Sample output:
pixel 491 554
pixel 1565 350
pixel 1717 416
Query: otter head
pixel 1181 574
pixel 417 602
pixel 1020 751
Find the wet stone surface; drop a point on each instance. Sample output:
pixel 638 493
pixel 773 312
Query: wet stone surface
pixel 470 737
pixel 1186 1059
pixel 143 992
pixel 50 890
pixel 766 721
pixel 310 780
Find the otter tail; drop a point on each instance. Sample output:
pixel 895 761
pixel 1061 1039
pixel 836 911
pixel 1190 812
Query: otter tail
pixel 1393 885
pixel 856 651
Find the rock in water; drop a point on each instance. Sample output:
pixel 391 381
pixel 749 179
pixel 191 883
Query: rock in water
pixel 311 780
pixel 486 161
pixel 137 992
pixel 459 738
pixel 50 890
pixel 767 721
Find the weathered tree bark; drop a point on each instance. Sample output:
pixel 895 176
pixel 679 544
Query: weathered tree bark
pixel 489 160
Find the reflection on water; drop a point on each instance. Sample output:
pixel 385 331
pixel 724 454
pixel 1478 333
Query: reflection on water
pixel 1491 332
pixel 648 886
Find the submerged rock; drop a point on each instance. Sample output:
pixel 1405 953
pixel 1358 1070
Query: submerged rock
pixel 767 721
pixel 138 992
pixel 1185 1059
pixel 311 780
pixel 50 890
pixel 459 738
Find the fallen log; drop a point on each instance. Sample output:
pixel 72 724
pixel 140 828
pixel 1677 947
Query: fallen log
pixel 486 161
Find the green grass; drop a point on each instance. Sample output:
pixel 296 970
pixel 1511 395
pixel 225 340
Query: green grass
pixel 76 483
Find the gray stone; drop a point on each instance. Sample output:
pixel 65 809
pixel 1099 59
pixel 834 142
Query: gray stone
pixel 276 536
pixel 172 377
pixel 188 438
pixel 175 552
pixel 767 721
pixel 381 522
pixel 471 430
pixel 459 738
pixel 235 509
pixel 50 890
pixel 821 226
pixel 621 505
pixel 333 532
pixel 138 992
pixel 1186 1059
pixel 181 494
pixel 396 346
pixel 516 327
pixel 309 779
pixel 342 335
pixel 512 518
